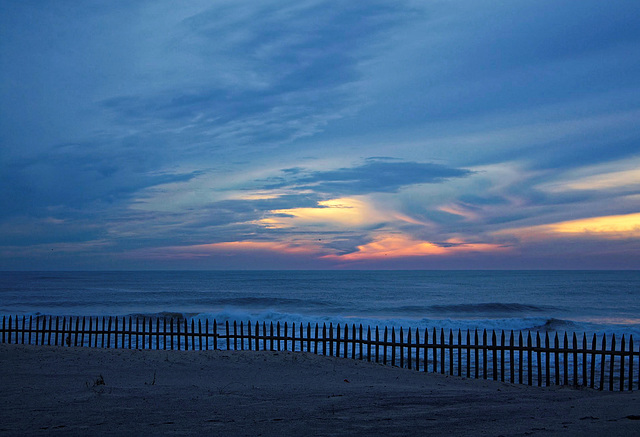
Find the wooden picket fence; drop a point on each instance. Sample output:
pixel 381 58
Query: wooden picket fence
pixel 524 358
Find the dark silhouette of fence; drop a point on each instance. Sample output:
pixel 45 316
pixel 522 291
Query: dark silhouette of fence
pixel 524 358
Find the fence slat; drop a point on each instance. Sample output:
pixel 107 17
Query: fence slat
pixel 622 349
pixel 574 361
pixel 612 361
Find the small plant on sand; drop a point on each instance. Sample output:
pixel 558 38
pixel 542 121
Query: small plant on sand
pixel 97 385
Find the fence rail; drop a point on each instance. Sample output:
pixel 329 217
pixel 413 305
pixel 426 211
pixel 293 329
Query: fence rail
pixel 524 358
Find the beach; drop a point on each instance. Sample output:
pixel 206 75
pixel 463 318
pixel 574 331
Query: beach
pixel 48 390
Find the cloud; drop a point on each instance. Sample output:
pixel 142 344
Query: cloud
pixel 625 226
pixel 374 176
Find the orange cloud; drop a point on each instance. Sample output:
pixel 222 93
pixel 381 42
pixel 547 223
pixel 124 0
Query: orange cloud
pixel 401 246
pixel 612 226
pixel 230 247
pixel 342 212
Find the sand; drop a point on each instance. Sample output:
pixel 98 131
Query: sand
pixel 49 390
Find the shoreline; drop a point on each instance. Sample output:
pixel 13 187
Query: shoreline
pixel 48 389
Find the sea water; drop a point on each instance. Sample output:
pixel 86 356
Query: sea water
pixel 552 301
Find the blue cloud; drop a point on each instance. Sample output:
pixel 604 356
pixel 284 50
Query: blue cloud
pixel 374 176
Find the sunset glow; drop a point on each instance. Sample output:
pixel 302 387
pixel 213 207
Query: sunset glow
pixel 319 135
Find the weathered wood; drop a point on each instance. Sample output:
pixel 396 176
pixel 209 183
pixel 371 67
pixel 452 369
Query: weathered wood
pixel 631 363
pixel 384 347
pixel 622 375
pixel 330 339
pixel 361 339
pixel 494 355
pixel 66 331
pixel 324 339
pixel 612 361
pixel 469 353
pixel 346 340
pixel 602 361
pixel 460 351
pixel 442 351
pixel 417 350
pixel 529 360
pixel 566 359
pixel 547 360
pixel 520 357
pixel 369 344
pixel 575 359
pixel 278 336
pixel 235 336
pixel 584 359
pixel 539 359
pixel 484 354
pixel 409 348
pixel 393 346
pixel 451 359
pixel 593 361
pixel 378 345
pixel 81 336
pixel 476 352
pixel 338 340
pixel 316 340
pixel 31 321
pixel 556 345
pixel 401 343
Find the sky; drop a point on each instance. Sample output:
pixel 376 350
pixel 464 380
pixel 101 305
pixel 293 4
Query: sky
pixel 310 134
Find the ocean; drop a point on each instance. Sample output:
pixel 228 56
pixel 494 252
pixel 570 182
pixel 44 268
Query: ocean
pixel 552 301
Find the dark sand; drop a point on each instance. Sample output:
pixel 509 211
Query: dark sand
pixel 49 390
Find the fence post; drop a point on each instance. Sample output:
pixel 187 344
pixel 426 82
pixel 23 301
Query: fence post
pixel 317 334
pixel 539 356
pixel 417 350
pixel 584 359
pixel 393 346
pixel 484 354
pixel 384 347
pixel 442 350
pixel 401 341
pixel 476 353
pixel 529 360
pixel 409 348
pixel 566 359
pixel 547 363
pixel 377 344
pixel 612 362
pixel 556 346
pixel 468 354
pixel 450 351
pixel 602 361
pixel 502 353
pixel 631 363
pixel 368 343
pixel 116 332
pixel 346 341
pixel 330 339
pixel 495 353
pixel 575 359
pixel 622 350
pixel 460 350
pixel 361 342
pixel 37 331
pixel 520 357
pixel 324 339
